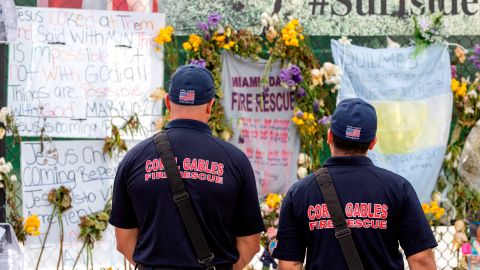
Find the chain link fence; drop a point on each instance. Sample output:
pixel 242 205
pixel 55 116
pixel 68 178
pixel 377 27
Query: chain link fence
pixel 445 254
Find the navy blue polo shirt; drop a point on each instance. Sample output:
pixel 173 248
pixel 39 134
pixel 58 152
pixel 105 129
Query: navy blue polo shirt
pixel 381 208
pixel 222 187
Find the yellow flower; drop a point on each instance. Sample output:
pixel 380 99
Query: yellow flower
pixel 229 45
pixel 439 213
pixel 305 116
pixel 311 117
pixel 164 36
pixel 32 225
pixel 300 122
pixel 460 90
pixel 426 208
pixel 273 200
pixel 295 119
pixel 294 42
pixel 187 46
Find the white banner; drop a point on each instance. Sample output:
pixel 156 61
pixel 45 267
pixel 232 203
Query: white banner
pixel 82 167
pixel 413 100
pixel 73 71
pixel 261 121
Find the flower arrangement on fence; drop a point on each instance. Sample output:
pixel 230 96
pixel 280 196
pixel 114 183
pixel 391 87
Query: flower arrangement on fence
pixel 428 30
pixel 270 208
pixel 466 92
pixel 433 212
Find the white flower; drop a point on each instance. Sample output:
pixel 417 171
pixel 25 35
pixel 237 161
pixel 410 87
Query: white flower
pixel 302 172
pixel 2 133
pixel 3 115
pixel 13 178
pixel 264 207
pixel 455 164
pixel 264 22
pixel 448 157
pixel 303 158
pixel 2 160
pixel 265 18
pixel 345 41
pixel 9 164
pixel 392 44
pixel 472 94
pixel 1 185
pixel 469 110
pixel 5 168
pixel 275 19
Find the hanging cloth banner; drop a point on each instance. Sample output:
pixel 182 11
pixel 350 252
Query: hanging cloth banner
pixel 261 121
pixel 413 100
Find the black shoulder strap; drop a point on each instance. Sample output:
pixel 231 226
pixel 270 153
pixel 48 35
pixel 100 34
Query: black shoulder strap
pixel 342 232
pixel 181 198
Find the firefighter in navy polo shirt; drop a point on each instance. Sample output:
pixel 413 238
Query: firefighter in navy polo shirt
pixel 381 208
pixel 218 176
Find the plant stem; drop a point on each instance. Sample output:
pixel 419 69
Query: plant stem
pixel 79 253
pixel 45 239
pixel 60 223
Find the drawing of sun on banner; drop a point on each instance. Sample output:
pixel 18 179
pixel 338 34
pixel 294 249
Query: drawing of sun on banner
pixel 412 97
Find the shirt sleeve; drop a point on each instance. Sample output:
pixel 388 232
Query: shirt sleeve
pixel 247 219
pixel 123 215
pixel 415 232
pixel 291 245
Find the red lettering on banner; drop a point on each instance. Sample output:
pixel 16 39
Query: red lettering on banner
pixel 186 164
pixel 384 214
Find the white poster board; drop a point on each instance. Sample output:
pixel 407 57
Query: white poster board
pixel 78 70
pixel 82 167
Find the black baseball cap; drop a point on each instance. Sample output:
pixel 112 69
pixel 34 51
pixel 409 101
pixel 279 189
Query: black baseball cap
pixel 191 85
pixel 354 120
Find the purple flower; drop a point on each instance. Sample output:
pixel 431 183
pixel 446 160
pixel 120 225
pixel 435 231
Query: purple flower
pixel 291 83
pixel 297 78
pixel 299 114
pixel 454 71
pixel 199 62
pixel 325 120
pixel 202 26
pixel 214 19
pixel 294 70
pixel 301 92
pixel 316 105
pixel 476 49
pixel 285 75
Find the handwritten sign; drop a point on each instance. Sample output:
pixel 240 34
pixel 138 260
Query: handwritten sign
pixel 261 121
pixel 81 167
pixel 413 100
pixel 73 71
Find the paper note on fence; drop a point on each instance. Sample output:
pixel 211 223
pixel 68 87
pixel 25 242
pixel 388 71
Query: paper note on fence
pixel 79 69
pixel 82 167
pixel 413 100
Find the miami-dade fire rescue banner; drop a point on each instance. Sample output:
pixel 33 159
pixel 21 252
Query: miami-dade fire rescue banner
pixel 413 100
pixel 261 121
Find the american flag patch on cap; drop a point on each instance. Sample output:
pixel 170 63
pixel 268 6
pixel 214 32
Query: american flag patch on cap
pixel 187 96
pixel 353 132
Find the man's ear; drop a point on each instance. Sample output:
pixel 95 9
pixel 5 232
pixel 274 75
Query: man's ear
pixel 167 102
pixel 210 106
pixel 372 144
pixel 329 136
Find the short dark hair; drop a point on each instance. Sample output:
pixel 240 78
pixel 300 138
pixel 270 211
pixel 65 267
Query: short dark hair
pixel 350 147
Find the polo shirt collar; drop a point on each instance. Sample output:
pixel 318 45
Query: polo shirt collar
pixel 189 123
pixel 349 161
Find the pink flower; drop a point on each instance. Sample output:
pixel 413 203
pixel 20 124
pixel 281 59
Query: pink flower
pixel 271 232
